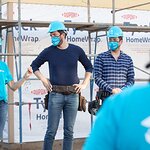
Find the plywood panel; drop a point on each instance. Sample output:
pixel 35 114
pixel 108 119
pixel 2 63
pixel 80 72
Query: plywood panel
pixel 94 3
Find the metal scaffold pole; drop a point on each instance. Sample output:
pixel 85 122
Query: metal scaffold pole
pixel 90 52
pixel 20 69
pixel 113 12
pixel 0 29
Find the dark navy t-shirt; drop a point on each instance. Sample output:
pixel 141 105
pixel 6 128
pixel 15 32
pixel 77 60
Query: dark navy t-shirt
pixel 63 64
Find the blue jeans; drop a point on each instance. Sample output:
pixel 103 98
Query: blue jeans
pixel 3 115
pixel 58 103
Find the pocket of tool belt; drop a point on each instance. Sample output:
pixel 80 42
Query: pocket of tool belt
pixel 46 100
pixel 82 103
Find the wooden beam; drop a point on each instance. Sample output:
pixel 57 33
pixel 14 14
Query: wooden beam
pixel 11 67
pixel 83 26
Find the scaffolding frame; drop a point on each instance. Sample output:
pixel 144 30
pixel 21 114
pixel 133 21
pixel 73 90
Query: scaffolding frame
pixel 89 27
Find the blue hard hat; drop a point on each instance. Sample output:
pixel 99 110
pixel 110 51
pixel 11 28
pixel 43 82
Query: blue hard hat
pixel 115 32
pixel 56 26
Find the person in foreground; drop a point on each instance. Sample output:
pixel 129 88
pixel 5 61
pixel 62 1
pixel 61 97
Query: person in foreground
pixel 123 122
pixel 63 83
pixel 7 79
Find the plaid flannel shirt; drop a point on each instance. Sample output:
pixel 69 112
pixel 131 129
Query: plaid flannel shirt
pixel 110 73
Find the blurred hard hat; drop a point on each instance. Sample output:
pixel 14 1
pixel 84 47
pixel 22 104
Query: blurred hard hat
pixel 115 32
pixel 56 26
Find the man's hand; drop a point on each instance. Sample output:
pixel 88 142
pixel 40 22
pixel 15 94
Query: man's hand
pixel 47 84
pixel 116 90
pixel 28 73
pixel 79 87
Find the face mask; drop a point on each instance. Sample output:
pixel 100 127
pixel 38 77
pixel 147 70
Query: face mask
pixel 113 45
pixel 55 40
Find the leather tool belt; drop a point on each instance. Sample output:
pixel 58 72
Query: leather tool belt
pixel 81 105
pixel 65 90
pixel 102 94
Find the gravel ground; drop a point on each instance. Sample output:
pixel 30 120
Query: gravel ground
pixel 38 145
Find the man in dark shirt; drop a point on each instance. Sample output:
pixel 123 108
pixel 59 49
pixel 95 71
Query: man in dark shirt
pixel 62 58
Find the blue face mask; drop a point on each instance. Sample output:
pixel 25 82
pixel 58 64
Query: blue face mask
pixel 113 45
pixel 55 40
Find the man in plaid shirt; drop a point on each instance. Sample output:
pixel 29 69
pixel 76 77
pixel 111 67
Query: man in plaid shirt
pixel 113 69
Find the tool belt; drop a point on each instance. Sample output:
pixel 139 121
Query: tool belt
pixel 93 106
pixel 102 94
pixel 65 90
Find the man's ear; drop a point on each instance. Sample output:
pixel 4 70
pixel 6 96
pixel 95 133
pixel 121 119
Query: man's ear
pixel 64 34
pixel 121 41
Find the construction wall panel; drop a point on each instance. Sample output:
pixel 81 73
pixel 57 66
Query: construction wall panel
pixel 34 40
pixel 93 3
